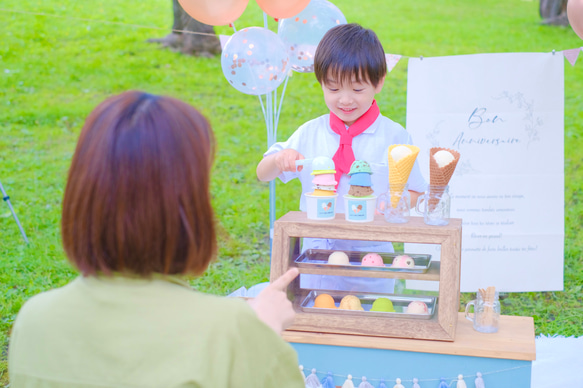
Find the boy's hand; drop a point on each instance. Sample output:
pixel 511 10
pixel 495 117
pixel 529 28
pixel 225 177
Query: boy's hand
pixel 272 305
pixel 285 160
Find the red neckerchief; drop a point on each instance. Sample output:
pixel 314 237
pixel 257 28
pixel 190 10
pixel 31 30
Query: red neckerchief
pixel 344 155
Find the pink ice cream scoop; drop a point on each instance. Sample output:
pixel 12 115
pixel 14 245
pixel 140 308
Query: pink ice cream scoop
pixel 372 260
pixel 417 307
pixel 324 180
pixel 403 261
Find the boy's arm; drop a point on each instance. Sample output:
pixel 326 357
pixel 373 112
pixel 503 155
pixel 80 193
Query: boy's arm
pixel 272 165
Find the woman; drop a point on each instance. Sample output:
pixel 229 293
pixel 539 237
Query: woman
pixel 136 215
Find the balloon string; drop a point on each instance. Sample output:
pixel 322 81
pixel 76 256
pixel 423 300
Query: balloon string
pixel 233 25
pixel 265 20
pixel 265 117
pixel 281 102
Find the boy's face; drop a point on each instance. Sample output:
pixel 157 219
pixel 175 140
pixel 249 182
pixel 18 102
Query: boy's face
pixel 351 99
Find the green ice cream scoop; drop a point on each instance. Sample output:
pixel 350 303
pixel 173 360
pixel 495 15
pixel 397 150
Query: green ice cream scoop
pixel 383 305
pixel 360 166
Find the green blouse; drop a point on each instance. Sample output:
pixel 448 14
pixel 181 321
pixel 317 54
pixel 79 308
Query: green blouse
pixel 129 332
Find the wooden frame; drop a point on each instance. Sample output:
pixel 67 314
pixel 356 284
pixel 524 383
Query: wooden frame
pixel 294 225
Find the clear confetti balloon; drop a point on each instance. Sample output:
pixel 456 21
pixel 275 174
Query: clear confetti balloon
pixel 255 61
pixel 302 33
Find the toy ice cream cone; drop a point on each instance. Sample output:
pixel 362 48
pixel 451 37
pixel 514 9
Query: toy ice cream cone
pixel 442 164
pixel 401 160
pixel 440 171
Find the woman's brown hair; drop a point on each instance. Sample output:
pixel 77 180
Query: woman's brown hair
pixel 137 198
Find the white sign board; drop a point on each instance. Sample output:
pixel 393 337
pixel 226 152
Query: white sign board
pixel 504 114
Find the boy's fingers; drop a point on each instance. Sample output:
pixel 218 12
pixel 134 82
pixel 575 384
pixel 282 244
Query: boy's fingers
pixel 284 280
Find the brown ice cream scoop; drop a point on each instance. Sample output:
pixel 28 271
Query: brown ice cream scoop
pixel 360 191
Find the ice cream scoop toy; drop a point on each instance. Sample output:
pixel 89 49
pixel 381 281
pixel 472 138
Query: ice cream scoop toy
pixel 360 179
pixel 360 202
pixel 324 301
pixel 321 202
pixel 417 307
pixel 338 258
pixel 372 260
pixel 350 302
pixel 403 261
pixel 383 305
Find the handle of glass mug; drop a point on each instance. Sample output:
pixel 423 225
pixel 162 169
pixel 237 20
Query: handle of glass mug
pixel 470 303
pixel 420 199
pixel 382 203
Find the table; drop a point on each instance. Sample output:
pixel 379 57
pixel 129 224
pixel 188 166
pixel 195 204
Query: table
pixel 504 358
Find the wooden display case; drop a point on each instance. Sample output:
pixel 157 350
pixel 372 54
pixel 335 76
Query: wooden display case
pixel 442 325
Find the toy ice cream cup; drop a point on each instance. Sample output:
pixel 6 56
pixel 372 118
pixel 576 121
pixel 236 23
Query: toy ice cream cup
pixel 359 209
pixel 320 207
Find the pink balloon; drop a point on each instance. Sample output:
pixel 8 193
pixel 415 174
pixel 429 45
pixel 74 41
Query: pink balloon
pixel 282 8
pixel 575 15
pixel 214 12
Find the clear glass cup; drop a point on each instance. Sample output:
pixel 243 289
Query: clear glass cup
pixel 486 317
pixel 395 205
pixel 436 205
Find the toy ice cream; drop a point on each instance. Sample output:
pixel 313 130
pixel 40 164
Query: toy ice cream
pixel 350 302
pixel 324 301
pixel 442 163
pixel 360 179
pixel 338 258
pixel 403 261
pixel 321 202
pixel 401 160
pixel 372 260
pixel 417 307
pixel 324 184
pixel 360 202
pixel 443 158
pixel 383 305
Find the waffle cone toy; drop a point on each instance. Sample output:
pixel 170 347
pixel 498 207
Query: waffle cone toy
pixel 400 170
pixel 440 176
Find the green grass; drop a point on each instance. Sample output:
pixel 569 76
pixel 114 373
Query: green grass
pixel 53 71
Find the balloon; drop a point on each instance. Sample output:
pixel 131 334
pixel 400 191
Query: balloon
pixel 255 61
pixel 575 16
pixel 302 32
pixel 282 8
pixel 214 12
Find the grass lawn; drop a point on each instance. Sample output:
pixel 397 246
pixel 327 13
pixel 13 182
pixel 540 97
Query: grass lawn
pixel 54 70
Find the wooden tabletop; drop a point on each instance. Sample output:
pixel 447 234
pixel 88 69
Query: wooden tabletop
pixel 514 340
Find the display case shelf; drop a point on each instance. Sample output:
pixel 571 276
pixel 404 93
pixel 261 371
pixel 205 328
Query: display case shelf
pixel 290 228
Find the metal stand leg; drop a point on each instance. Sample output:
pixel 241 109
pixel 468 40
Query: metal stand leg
pixel 6 198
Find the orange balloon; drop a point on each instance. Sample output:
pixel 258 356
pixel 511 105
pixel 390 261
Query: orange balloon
pixel 282 9
pixel 214 12
pixel 575 15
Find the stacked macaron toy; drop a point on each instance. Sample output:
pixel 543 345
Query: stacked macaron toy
pixel 360 179
pixel 323 170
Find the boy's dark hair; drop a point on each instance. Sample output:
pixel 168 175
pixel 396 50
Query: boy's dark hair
pixel 137 197
pixel 350 50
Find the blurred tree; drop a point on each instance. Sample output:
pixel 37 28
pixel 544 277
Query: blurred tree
pixel 203 43
pixel 554 12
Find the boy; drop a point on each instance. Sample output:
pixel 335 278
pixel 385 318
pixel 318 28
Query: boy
pixel 350 65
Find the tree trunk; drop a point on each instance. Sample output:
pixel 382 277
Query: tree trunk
pixel 204 43
pixel 554 12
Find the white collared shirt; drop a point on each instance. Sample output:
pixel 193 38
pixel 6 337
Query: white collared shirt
pixel 316 138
